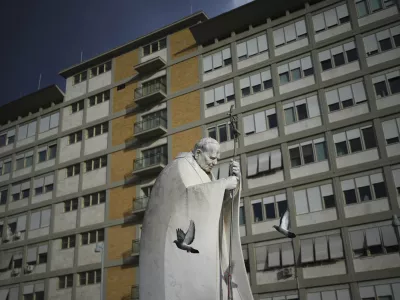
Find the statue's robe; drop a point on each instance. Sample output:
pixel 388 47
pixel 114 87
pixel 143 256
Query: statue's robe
pixel 184 192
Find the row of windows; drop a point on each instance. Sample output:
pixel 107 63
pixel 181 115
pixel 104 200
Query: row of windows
pixel 88 200
pixel 95 71
pixel 85 278
pixel 90 132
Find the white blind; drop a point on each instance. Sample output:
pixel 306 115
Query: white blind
pixel 324 55
pixel 321 248
pixel 301 27
pixel 252 47
pixel 314 199
pixel 54 120
pixel 349 46
pixel 248 123
pixel 263 162
pixel 262 43
pixel 318 22
pixel 244 82
pixel 313 107
pixel 219 93
pixel 266 75
pixel 22 132
pixel 326 190
pixel 241 49
pixel 332 97
pixel 252 165
pixel 347 185
pixel 209 96
pixel 279 37
pixel 32 129
pixel 342 11
pixel 217 60
pixel 207 63
pixel 226 53
pixel 276 159
pixel 260 121
pixel 330 17
pixel 255 79
pixel 390 129
pixel 290 33
pixel 370 43
pixel 345 93
pixel 229 89
pixel 383 35
pixel 353 134
pixel 300 200
pixel 359 92
pixel 339 137
pixel 44 124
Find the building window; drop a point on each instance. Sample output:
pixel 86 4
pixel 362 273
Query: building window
pixel 355 140
pixel 256 83
pixel 24 160
pixel 99 98
pixel 300 110
pixel 80 77
pixel 374 241
pixel 269 208
pixel 338 56
pixel 382 41
pixel 70 205
pixel 40 219
pixel 43 185
pixel 290 33
pixel 21 190
pixel 97 130
pixel 96 163
pixel 331 18
pixel 90 277
pixel 391 131
pixel 217 60
pixel 295 70
pixel 367 7
pixel 5 166
pixel 346 96
pixel 242 216
pixel 92 237
pixel 387 85
pixel 314 199
pixel 275 256
pixel 121 87
pixel 396 176
pixel 73 170
pixel 7 138
pixel 75 137
pixel 27 130
pixel 155 46
pixel 222 132
pixel 94 199
pixel 308 152
pixel 66 281
pixel 314 251
pixel 100 69
pixel 77 106
pixel 264 164
pixel 3 196
pixel 68 242
pixel 49 122
pixel 365 188
pixel 219 95
pixel 47 153
pixel 382 291
pixel 260 121
pixel 252 47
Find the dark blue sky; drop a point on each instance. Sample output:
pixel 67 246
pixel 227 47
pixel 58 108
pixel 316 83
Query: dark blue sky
pixel 46 36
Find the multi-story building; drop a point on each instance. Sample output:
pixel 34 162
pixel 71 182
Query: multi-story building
pixel 315 87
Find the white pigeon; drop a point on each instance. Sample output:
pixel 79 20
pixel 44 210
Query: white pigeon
pixel 284 226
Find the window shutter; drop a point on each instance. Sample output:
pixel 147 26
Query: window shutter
pixel 276 159
pixel 390 129
pixel 335 246
pixel 32 254
pixel 345 93
pixel 396 177
pixel 44 124
pixel 306 63
pixel 14 294
pixel 353 134
pixel 332 97
pixel 252 165
pixel 207 63
pixel 389 236
pixel 255 79
pixel 342 11
pixel 244 82
pixel 4 294
pixel 219 93
pixel 367 292
pixel 43 249
pixel 38 182
pixel 49 179
pixel 326 190
pixel 224 171
pixel 313 107
pixel 319 22
pixel 347 185
pixel 376 178
pixel 229 89
pixel 395 30
pixel 362 181
pixel 54 120
pixel 261 257
pixel 248 123
pixel 28 289
pixel 300 200
pixel 370 43
pixel 35 220
pixel 270 112
pixel 314 199
pixel 263 162
pixel 241 49
pixel 287 254
pixel 252 47
pixel 324 55
pixel 209 96
pixel 21 223
pixel 314 296
pixel 279 37
pixel 260 122
pixel 226 53
pixel 45 218
pixel 329 295
pixel 383 35
pixel 321 248
pixel 283 69
pixel 306 250
pixel 294 64
pixel 301 27
pixel 330 17
pixel 357 240
pixel 393 74
pixel 31 129
pixel 19 156
pixel 22 132
pixel 337 50
pixel 383 290
pixel 373 238
pixel 16 188
pixel 25 185
pixel 262 43
pixel 274 256
pixel 343 294
pixel 11 133
pixel 359 92
pixel 290 34
pixel 339 137
pixel 217 60
pixel 39 287
pixel 378 79
pixel 349 46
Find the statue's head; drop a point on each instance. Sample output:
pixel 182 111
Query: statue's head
pixel 206 153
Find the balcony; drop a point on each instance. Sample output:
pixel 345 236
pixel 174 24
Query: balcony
pixel 135 292
pixel 135 247
pixel 151 65
pixel 150 94
pixel 150 165
pixel 140 204
pixel 150 128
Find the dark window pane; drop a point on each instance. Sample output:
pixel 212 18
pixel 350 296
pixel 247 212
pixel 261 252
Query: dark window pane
pixel 355 145
pixel 394 84
pixel 267 84
pixel 146 50
pixel 381 89
pixel 52 151
pixel 362 9
pixel 397 40
pixel 42 258
pixel 394 140
pixel 82 279
pixel 326 64
pixel 91 277
pixel 347 103
pixel 308 154
pixel 42 156
pixel 100 235
pixel 227 61
pixel 321 152
pixel 295 156
pixel 302 112
pixel 257 212
pixel 257 88
pixel 85 238
pixel 282 207
pixel 308 72
pixel 223 135
pixel 272 121
pixel 246 91
pixel 375 5
pixel 369 138
pixel 163 43
pixel 242 219
pixel 25 194
pixel 344 20
pixel 350 196
pixel 365 193
pixel 341 148
pixel 289 116
pixel 270 210
pixel 380 190
pixel 334 107
pixel 92 237
pixel 339 59
pixel 296 74
pixel 352 55
pixel 72 241
pixel 329 201
pixel 385 44
pixel 284 78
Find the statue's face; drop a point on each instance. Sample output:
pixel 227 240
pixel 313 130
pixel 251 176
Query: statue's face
pixel 208 159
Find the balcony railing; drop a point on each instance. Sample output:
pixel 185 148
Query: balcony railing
pixel 150 124
pixel 145 162
pixel 135 292
pixel 140 203
pixel 135 247
pixel 144 91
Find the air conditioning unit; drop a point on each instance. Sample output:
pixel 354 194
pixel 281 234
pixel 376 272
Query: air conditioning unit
pixel 287 272
pixel 15 272
pixel 17 236
pixel 29 268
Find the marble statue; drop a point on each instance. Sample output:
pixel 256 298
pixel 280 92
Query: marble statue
pixel 184 248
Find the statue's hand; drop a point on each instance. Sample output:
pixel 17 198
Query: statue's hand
pixel 231 182
pixel 235 167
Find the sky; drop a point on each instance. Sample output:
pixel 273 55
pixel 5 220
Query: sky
pixel 47 36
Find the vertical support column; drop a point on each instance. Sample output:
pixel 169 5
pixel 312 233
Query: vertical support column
pixel 380 138
pixel 392 190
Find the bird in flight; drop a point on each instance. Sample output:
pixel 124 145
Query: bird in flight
pixel 284 226
pixel 184 240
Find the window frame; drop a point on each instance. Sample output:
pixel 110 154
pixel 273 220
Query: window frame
pixel 347 141
pixel 67 279
pixel 379 46
pixel 75 137
pixel 243 58
pixel 21 191
pixel 267 120
pixel 75 170
pixel 99 98
pixel 226 98
pixel 332 59
pixel 93 199
pixel 262 201
pixel 217 133
pixel 298 37
pixel 314 142
pixel 368 7
pixel 339 22
pixel 76 107
pixel 68 242
pixel 79 78
pixel 289 71
pixel 386 82
pixel 99 237
pixel 262 83
pixel 225 62
pixel 323 204
pixel 100 69
pixel 159 46
pixel 24 160
pixel 9 138
pixel 340 101
pixel 70 205
pixel 95 163
pixel 95 129
pixel 396 121
pixel 48 152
